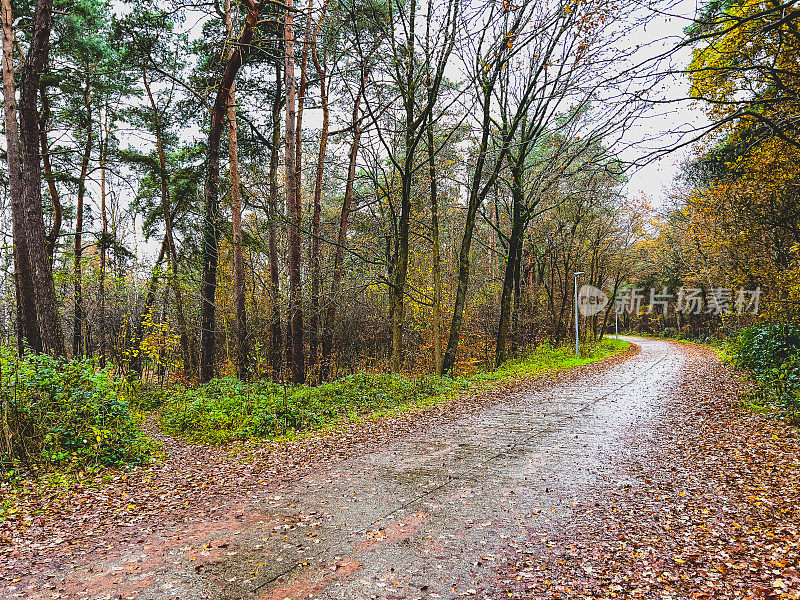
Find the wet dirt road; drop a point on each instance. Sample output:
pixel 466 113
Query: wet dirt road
pixel 428 516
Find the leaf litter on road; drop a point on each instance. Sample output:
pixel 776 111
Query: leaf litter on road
pixel 713 510
pixel 194 494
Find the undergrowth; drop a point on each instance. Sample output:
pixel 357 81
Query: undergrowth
pixel 65 417
pixel 71 418
pixel 227 409
pixel 771 354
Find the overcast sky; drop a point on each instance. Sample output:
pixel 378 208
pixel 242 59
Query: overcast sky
pixel 658 129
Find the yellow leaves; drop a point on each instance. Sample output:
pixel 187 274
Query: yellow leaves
pixel 510 38
pixel 735 226
pixel 159 342
pixel 740 52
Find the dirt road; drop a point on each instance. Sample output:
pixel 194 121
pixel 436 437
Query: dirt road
pixel 429 515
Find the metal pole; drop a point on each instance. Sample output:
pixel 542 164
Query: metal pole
pixel 577 337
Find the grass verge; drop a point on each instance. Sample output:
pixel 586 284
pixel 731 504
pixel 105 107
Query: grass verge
pixel 227 410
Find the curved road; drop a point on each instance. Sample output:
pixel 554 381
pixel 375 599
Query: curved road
pixel 430 515
pixel 433 514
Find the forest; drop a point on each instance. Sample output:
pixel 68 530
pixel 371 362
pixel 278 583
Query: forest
pixel 294 193
pixel 425 216
pixel 400 299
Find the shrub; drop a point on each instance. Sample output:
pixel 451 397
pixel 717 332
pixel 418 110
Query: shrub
pixel 227 409
pixel 762 347
pixel 67 416
pixel 771 353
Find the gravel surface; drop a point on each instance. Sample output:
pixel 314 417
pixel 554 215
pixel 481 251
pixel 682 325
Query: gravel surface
pixel 712 509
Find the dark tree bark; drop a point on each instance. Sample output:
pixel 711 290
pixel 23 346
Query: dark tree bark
pixel 476 196
pixel 101 292
pixel 411 130
pixel 437 260
pixel 314 317
pixel 243 366
pixel 40 264
pixel 294 207
pixel 27 323
pixel 501 351
pixel 515 313
pixel 520 216
pixel 272 217
pixel 79 317
pixel 211 217
pixel 58 210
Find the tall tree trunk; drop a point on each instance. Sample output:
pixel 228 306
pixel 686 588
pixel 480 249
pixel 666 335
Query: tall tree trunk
pixel 208 286
pixel 272 217
pixel 301 100
pixel 474 202
pixel 400 271
pixel 242 347
pixel 341 241
pixel 169 237
pixel 613 306
pixel 437 260
pixel 294 208
pixel 480 185
pixel 103 251
pixel 27 323
pixel 501 350
pixel 515 314
pixel 296 316
pixel 518 195
pixel 314 317
pixel 79 318
pixel 58 210
pixel 40 264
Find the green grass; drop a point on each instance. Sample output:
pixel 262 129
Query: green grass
pixel 227 410
pixel 548 358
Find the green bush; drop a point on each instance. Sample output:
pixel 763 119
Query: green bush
pixel 66 416
pixel 771 353
pixel 227 409
pixel 767 346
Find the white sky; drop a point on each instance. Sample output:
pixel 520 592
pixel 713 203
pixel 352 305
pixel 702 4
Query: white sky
pixel 657 130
